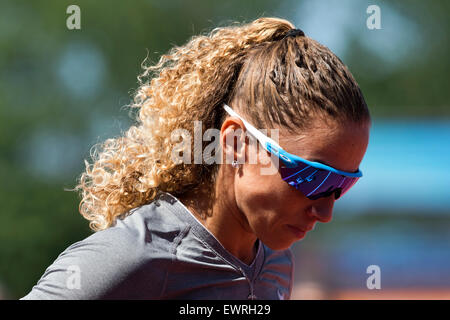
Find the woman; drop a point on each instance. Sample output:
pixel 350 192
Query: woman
pixel 221 229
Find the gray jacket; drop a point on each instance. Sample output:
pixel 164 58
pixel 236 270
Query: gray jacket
pixel 161 251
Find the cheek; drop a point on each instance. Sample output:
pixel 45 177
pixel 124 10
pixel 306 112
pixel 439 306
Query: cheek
pixel 259 195
pixel 268 204
pixel 267 192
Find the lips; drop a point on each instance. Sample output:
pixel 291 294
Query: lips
pixel 298 233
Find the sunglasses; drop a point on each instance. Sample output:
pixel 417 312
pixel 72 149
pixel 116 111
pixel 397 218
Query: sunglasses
pixel 314 179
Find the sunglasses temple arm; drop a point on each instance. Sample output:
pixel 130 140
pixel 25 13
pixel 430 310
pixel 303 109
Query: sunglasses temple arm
pixel 263 139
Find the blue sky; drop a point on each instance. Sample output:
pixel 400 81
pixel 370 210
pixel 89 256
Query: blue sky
pixel 406 167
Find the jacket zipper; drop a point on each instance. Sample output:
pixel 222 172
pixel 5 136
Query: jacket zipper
pixel 251 296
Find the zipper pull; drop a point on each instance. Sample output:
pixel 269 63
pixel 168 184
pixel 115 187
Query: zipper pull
pixel 251 296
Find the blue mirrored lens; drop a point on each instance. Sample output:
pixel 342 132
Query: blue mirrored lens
pixel 316 183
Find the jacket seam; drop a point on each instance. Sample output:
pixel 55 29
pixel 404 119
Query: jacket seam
pixel 172 250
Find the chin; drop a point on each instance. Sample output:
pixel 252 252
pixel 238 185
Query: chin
pixel 277 244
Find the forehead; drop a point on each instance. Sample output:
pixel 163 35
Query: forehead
pixel 339 145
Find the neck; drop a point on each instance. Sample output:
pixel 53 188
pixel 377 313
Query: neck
pixel 221 217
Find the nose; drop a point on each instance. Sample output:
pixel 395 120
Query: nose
pixel 322 209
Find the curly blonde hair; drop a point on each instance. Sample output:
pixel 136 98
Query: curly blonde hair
pixel 271 77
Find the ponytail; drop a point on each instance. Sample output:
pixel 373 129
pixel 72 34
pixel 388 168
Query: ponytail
pixel 188 84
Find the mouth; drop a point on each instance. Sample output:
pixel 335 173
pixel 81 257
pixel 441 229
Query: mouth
pixel 297 232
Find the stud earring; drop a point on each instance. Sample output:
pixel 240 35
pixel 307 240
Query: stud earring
pixel 235 164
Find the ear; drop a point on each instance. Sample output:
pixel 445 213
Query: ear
pixel 232 139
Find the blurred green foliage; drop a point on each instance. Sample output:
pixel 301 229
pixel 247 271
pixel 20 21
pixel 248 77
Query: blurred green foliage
pixel 38 219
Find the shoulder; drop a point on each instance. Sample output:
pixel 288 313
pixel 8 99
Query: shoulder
pixel 280 258
pixel 279 266
pixel 146 229
pixel 126 261
pixel 151 225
